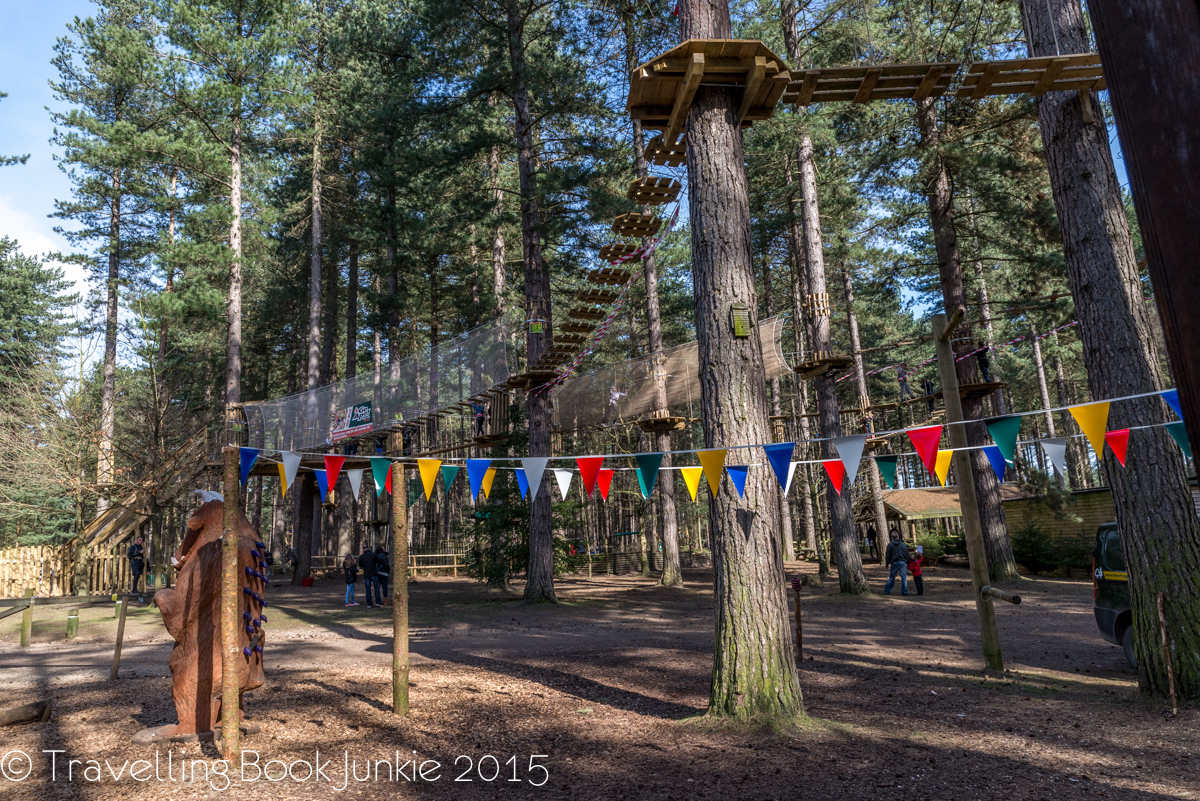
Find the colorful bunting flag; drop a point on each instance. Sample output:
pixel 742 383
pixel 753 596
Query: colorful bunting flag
pixel 333 466
pixel 926 440
pixel 355 477
pixel 429 471
pixel 737 474
pixel 289 463
pixel 836 472
pixel 589 467
pixel 887 469
pixel 1119 442
pixel 449 473
pixel 381 471
pixel 647 471
pixel 1092 419
pixel 691 477
pixel 712 461
pixel 488 477
pixel 387 483
pixel 322 484
pixel 1171 396
pixel 522 482
pixel 1004 432
pixel 996 457
pixel 780 457
pixel 850 450
pixel 1179 433
pixel 791 474
pixel 247 457
pixel 604 479
pixel 476 470
pixel 564 481
pixel 941 467
pixel 1056 451
pixel 534 467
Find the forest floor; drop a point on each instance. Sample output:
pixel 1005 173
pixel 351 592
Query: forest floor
pixel 607 686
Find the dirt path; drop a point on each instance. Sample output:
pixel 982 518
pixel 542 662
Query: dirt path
pixel 605 685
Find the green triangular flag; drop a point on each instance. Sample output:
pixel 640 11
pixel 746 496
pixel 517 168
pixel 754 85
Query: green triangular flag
pixel 379 471
pixel 1004 434
pixel 647 472
pixel 1179 433
pixel 449 472
pixel 887 469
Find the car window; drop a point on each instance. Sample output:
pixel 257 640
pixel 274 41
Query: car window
pixel 1112 558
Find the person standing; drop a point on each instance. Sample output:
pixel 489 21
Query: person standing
pixel 383 569
pixel 897 560
pixel 902 380
pixel 137 561
pixel 928 387
pixel 872 542
pixel 370 576
pixel 350 568
pixel 914 567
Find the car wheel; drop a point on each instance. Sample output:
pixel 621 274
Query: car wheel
pixel 1127 645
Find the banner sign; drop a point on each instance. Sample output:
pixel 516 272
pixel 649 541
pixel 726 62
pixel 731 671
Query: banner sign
pixel 350 422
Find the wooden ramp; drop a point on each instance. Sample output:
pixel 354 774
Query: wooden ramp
pixel 1034 76
pixel 866 83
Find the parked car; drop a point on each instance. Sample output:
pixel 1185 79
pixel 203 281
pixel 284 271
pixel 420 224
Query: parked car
pixel 1110 586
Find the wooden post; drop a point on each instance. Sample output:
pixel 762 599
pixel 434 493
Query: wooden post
pixel 966 490
pixel 399 592
pixel 230 639
pixel 116 665
pixel 72 623
pixel 796 585
pixel 27 620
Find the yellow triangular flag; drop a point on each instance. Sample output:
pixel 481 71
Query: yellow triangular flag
pixel 691 477
pixel 941 467
pixel 1093 419
pixel 489 476
pixel 282 479
pixel 429 472
pixel 713 462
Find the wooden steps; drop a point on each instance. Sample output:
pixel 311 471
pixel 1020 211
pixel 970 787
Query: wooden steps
pixel 637 225
pixel 617 251
pixel 612 276
pixel 651 191
pixel 821 364
pixel 664 155
pixel 866 83
pixel 599 296
pixel 577 328
pixel 1034 76
pixel 584 313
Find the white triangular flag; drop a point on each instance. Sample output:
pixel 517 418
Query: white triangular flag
pixel 534 468
pixel 1056 452
pixel 355 477
pixel 850 450
pixel 791 474
pixel 564 481
pixel 291 464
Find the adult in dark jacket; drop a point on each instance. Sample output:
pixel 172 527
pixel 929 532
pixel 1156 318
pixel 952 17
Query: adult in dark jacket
pixel 897 561
pixel 382 569
pixel 137 561
pixel 370 576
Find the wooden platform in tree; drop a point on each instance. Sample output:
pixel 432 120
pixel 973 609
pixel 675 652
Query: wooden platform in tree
pixel 874 443
pixel 585 313
pixel 612 276
pixel 490 440
pixel 1034 76
pixel 653 425
pixel 570 339
pixel 532 379
pixel 819 365
pixel 601 296
pixel 661 90
pixel 615 251
pixel 665 155
pixel 577 328
pixel 651 191
pixel 637 225
pixel 864 84
pixel 981 390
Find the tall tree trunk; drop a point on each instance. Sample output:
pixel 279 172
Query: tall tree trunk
pixel 329 302
pixel 315 275
pixel 860 380
pixel 1001 565
pixel 169 287
pixel 352 312
pixel 306 510
pixel 985 308
pixel 233 340
pixel 539 585
pixel 105 463
pixel 754 659
pixel 1043 387
pixel 785 510
pixel 393 274
pixel 1060 382
pixel 1159 533
pixel 499 273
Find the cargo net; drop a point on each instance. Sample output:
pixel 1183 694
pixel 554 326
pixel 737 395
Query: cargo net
pixel 431 380
pixel 625 392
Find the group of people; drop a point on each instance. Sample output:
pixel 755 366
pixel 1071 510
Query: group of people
pixel 376 572
pixel 900 560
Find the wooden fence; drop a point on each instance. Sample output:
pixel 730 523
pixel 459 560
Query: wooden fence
pixel 48 570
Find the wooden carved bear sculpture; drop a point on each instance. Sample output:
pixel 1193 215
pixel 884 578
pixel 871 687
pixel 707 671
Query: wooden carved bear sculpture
pixel 192 614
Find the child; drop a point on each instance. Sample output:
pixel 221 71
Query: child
pixel 914 567
pixel 350 566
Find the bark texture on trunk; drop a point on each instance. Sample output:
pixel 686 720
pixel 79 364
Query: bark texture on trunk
pixel 233 340
pixel 105 460
pixel 305 523
pixel 499 273
pixel 352 312
pixel 539 585
pixel 754 672
pixel 1159 533
pixel 1001 565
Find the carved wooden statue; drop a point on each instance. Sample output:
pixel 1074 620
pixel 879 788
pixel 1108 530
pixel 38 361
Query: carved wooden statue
pixel 192 614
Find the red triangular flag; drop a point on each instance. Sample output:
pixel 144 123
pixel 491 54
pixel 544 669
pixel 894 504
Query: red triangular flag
pixel 926 440
pixel 387 485
pixel 333 466
pixel 605 477
pixel 589 467
pixel 1118 441
pixel 836 472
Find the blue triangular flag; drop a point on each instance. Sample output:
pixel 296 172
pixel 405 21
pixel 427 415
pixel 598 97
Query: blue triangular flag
pixel 647 471
pixel 322 484
pixel 476 469
pixel 996 457
pixel 1171 396
pixel 522 482
pixel 248 457
pixel 780 457
pixel 737 474
pixel 449 473
pixel 1179 433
